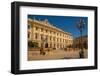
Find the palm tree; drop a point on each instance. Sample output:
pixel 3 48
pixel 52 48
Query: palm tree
pixel 81 27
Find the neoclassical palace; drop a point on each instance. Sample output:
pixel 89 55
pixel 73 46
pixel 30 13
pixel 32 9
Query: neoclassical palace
pixel 47 35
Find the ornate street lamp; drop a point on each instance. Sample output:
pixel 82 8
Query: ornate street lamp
pixel 44 40
pixel 81 26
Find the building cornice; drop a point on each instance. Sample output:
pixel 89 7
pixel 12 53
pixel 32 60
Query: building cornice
pixel 47 24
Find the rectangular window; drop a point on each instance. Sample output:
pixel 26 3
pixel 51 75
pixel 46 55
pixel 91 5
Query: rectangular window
pixel 29 26
pixel 36 36
pixel 28 35
pixel 36 28
pixel 41 30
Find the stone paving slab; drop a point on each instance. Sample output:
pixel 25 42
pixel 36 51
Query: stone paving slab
pixel 58 54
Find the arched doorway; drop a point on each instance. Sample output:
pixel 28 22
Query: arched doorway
pixel 46 45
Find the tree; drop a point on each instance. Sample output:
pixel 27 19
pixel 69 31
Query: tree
pixel 32 44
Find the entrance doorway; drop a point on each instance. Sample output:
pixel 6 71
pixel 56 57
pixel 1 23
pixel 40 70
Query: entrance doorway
pixel 46 45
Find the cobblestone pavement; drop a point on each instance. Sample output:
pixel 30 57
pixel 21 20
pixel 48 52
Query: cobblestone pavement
pixel 55 54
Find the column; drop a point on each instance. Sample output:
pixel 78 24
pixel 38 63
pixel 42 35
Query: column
pixel 39 44
pixel 52 45
pixel 33 33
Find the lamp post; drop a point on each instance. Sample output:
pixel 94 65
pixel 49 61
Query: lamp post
pixel 81 26
pixel 44 39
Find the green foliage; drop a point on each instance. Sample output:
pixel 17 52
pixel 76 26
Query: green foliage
pixel 32 44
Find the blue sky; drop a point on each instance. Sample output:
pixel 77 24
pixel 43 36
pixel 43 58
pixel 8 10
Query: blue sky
pixel 66 23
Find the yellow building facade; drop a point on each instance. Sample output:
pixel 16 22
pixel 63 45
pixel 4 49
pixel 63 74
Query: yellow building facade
pixel 47 35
